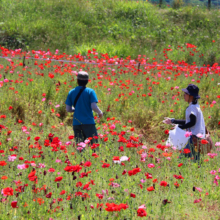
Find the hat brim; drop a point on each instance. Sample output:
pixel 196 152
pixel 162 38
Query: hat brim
pixel 195 96
pixel 185 90
pixel 81 78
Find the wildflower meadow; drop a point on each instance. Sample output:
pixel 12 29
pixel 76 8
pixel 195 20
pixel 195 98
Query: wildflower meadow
pixel 131 173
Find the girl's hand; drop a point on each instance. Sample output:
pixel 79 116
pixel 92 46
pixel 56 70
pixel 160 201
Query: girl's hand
pixel 167 121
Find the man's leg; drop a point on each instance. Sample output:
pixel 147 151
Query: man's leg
pixel 90 131
pixel 78 133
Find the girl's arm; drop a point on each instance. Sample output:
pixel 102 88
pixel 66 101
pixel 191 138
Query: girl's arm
pixel 178 122
pixel 190 124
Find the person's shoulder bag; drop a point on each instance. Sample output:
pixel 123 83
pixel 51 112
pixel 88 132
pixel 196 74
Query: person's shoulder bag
pixel 77 97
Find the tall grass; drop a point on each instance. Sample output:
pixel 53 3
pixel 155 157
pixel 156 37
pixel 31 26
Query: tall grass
pixel 120 28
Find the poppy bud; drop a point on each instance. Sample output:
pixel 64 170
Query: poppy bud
pixel 17 194
pixel 116 177
pixel 45 172
pixel 74 177
pixel 79 217
pixel 164 202
pixel 71 206
pixel 58 185
pixel 194 188
pixel 28 212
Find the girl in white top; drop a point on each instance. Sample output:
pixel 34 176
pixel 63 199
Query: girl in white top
pixel 194 119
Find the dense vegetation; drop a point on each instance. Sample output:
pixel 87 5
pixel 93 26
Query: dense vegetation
pixel 132 173
pixel 123 28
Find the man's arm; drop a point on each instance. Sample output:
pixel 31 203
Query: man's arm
pixel 69 108
pixel 96 109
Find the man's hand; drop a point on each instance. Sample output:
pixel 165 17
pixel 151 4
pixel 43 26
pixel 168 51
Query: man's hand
pixel 100 115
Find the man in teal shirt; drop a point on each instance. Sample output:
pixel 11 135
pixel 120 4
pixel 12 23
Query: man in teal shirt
pixel 83 120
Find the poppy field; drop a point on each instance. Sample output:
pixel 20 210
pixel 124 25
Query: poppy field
pixel 131 173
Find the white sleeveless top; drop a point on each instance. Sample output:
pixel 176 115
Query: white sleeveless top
pixel 199 127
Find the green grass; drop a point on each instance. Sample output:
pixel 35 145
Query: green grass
pixel 123 28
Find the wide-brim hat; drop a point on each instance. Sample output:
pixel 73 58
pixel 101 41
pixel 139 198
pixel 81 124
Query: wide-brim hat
pixel 192 90
pixel 82 75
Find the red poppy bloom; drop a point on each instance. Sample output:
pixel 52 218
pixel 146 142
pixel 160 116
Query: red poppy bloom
pixel 134 171
pixel 105 165
pixel 141 213
pixel 8 191
pixel 186 151
pixel 204 141
pixel 87 164
pixel 116 158
pixel 151 188
pixel 59 178
pixel 14 204
pixel 148 175
pixel 62 192
pixel 180 164
pixel 100 196
pixel 166 131
pixel 3 163
pixel 79 184
pixel 163 183
pixel 132 195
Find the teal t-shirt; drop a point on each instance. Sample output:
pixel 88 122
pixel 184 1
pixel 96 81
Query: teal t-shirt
pixel 83 111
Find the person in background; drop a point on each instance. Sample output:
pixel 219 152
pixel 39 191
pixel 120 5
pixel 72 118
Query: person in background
pixel 193 123
pixel 83 120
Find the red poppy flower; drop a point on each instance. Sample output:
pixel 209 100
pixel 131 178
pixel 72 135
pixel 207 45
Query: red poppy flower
pixel 14 204
pixel 62 192
pixel 57 179
pixel 151 188
pixel 141 213
pixel 71 137
pixel 163 183
pixel 186 151
pixel 180 164
pixel 204 141
pixel 49 195
pixel 148 175
pixel 100 196
pixel 116 158
pixel 87 164
pixel 37 138
pixel 3 163
pixel 7 191
pixel 166 131
pixel 134 171
pixel 105 165
pixel 79 184
pixel 132 195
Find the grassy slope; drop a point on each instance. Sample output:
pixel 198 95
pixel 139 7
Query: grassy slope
pixel 116 27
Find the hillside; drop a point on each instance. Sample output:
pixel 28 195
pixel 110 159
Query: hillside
pixel 115 27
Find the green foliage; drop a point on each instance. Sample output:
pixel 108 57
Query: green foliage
pixel 120 28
